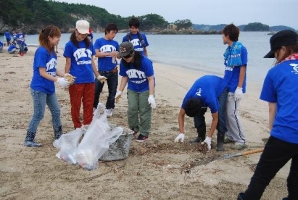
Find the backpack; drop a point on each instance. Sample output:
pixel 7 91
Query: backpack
pixel 128 37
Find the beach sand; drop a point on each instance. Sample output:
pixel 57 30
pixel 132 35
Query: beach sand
pixel 157 169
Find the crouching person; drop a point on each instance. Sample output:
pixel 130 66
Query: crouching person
pixel 208 91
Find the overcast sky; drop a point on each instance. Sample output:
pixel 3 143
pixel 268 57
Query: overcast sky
pixel 212 12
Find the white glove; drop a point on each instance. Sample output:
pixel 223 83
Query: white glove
pixel 118 96
pixel 238 94
pixel 151 101
pixel 208 142
pixel 180 137
pixel 62 82
pixel 101 79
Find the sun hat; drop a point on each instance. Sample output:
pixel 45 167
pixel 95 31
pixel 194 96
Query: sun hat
pixel 82 26
pixel 281 38
pixel 125 49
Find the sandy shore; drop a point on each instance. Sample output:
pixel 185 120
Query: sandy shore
pixel 157 169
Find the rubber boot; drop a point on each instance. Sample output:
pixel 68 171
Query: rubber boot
pixel 29 140
pixel 201 135
pixel 220 141
pixel 58 133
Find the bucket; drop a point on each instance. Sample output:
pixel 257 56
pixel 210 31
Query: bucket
pixel 119 150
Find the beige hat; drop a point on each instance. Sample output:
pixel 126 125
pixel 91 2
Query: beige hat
pixel 82 26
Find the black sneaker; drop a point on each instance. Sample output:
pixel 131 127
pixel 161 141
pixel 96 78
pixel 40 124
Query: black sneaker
pixel 241 196
pixel 142 138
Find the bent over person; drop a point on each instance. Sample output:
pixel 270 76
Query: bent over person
pixel 208 91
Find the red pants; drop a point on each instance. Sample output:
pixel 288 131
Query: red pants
pixel 81 93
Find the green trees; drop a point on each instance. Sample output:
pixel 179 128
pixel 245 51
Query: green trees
pixel 256 26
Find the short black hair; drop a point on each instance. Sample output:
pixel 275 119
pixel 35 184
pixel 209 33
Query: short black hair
pixel 111 27
pixel 193 106
pixel 134 22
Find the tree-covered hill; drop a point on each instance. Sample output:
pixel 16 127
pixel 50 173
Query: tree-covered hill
pixel 32 15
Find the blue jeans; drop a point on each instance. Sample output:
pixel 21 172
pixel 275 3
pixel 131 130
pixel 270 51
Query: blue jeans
pixel 40 100
pixel 112 81
pixel 199 119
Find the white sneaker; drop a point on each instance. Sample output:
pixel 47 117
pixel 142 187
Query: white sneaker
pixel 110 112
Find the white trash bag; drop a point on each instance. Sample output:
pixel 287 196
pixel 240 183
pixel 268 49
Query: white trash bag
pixel 68 144
pixel 96 140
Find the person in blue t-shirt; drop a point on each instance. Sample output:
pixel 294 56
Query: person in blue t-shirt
pixel 20 39
pixel 8 37
pixel 42 86
pixel 207 91
pixel 12 48
pixel 139 40
pixel 79 54
pixel 280 89
pixel 235 61
pixel 1 46
pixel 106 49
pixel 138 73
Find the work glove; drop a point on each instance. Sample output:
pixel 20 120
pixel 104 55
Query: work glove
pixel 208 142
pixel 118 96
pixel 180 137
pixel 62 82
pixel 70 78
pixel 151 101
pixel 238 94
pixel 101 79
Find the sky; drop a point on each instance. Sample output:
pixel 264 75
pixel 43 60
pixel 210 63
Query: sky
pixel 211 12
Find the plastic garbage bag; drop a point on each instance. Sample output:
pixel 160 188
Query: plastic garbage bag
pixel 68 144
pixel 96 140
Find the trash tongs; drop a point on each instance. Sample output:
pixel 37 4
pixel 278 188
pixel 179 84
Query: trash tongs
pixel 243 153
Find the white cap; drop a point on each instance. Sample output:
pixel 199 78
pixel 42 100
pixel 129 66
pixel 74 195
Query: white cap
pixel 82 26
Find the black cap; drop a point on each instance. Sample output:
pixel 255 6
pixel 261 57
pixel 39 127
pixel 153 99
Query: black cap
pixel 281 38
pixel 125 49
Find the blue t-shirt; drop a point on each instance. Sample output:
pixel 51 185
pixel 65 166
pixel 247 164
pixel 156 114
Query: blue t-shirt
pixel 232 72
pixel 20 38
pixel 81 65
pixel 281 87
pixel 138 78
pixel 136 41
pixel 208 88
pixel 44 59
pixel 106 46
pixel 7 35
pixel 12 47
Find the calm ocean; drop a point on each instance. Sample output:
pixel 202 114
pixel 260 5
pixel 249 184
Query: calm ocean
pixel 200 52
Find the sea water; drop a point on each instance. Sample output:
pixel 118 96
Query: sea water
pixel 198 52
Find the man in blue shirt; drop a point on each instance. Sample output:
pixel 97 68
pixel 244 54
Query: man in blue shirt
pixel 8 37
pixel 208 91
pixel 138 39
pixel 235 61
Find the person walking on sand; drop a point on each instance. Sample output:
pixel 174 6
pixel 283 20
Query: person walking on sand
pixel 137 71
pixel 280 89
pixel 207 91
pixel 42 86
pixel 138 39
pixel 106 49
pixel 235 61
pixel 79 54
